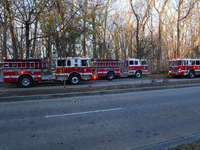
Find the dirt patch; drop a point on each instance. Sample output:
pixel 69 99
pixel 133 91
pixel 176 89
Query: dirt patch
pixel 90 88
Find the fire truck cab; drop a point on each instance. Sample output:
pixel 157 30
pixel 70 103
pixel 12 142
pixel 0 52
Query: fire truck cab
pixel 25 72
pixel 73 69
pixel 184 67
pixel 134 67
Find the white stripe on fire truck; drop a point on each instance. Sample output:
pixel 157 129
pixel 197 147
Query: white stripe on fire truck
pixel 61 74
pixel 13 70
pixel 35 76
pixel 86 74
pixel 107 72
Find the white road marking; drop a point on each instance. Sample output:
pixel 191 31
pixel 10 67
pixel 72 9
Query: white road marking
pixel 81 113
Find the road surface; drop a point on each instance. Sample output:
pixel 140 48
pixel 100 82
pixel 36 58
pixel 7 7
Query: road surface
pixel 126 121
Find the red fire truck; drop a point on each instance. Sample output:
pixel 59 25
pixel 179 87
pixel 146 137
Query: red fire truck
pixel 26 72
pixel 121 68
pixel 184 67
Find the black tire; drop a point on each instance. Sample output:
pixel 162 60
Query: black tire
pixel 74 79
pixel 138 74
pixel 25 81
pixel 110 75
pixel 191 74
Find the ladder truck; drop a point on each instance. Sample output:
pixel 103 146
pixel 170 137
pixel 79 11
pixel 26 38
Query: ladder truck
pixel 110 68
pixel 25 72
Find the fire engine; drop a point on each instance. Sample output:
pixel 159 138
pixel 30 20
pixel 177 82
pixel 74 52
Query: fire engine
pixel 184 67
pixel 25 72
pixel 119 68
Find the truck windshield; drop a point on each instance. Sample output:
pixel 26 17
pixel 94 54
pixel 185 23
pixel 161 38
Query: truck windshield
pixel 171 63
pixel 175 63
pixel 144 63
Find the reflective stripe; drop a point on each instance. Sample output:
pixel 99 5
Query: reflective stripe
pixel 36 76
pixel 12 70
pixel 67 74
pixel 11 76
pixel 84 74
pixel 109 70
pixel 62 74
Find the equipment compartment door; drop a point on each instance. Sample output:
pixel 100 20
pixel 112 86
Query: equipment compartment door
pixel 1 75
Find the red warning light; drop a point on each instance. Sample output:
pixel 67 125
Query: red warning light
pixel 4 57
pixel 94 77
pixel 21 72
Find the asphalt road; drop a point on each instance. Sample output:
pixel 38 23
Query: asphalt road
pixel 95 83
pixel 139 120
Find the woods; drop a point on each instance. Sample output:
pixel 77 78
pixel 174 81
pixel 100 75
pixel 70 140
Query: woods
pixel 108 29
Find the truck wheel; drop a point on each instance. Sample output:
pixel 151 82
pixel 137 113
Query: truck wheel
pixel 25 81
pixel 138 74
pixel 110 75
pixel 191 74
pixel 74 79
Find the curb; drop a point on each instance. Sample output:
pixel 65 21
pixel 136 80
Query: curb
pixel 62 95
pixel 173 143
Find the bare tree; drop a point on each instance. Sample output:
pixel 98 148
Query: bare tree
pixel 141 20
pixel 188 11
pixel 28 12
pixel 12 33
pixel 3 22
pixel 160 12
pixel 198 32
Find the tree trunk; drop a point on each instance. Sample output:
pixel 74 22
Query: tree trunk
pixel 15 52
pixel 137 38
pixel 186 46
pixel 94 33
pixel 84 41
pixel 27 39
pixel 4 52
pixel 131 44
pixel 198 38
pixel 48 47
pixel 178 32
pixel 84 27
pixel 159 43
pixel 192 46
pixel 34 39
